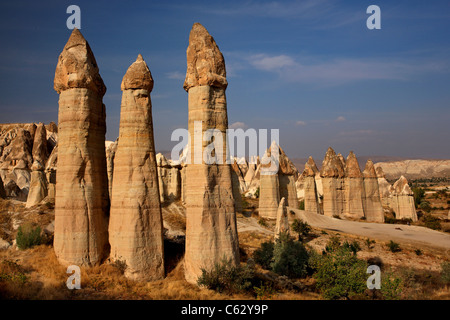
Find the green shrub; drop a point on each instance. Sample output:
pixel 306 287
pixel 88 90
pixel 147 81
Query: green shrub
pixel 431 222
pixel 445 272
pixel 301 205
pixel 262 222
pixel 333 244
pixel 302 228
pixel 391 286
pixel 425 206
pixel 354 246
pixel 228 278
pixel 257 193
pixel 290 257
pixel 393 246
pixel 340 274
pixel 264 255
pixel 28 237
pixel 418 252
pixel 264 292
pixel 369 243
pixel 419 195
pixel 12 272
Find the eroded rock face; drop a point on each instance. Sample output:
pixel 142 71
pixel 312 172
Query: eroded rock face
pixel 402 201
pixel 111 148
pixel 136 229
pixel 211 231
pixel 269 191
pixel 309 187
pixel 169 177
pixel 332 176
pixel 384 187
pixel 373 208
pixel 40 149
pixel 287 176
pixel 2 189
pixel 82 201
pixel 38 185
pixel 282 222
pixel 237 180
pixel 353 189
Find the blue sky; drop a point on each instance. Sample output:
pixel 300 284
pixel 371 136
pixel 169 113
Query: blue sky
pixel 309 68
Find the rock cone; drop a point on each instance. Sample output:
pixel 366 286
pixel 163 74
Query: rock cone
pixel 135 229
pixel 82 201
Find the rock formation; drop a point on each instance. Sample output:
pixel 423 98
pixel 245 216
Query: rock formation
pixel 353 189
pixel 169 177
pixel 372 202
pixel 40 150
pixel 403 200
pixel 287 176
pixel 111 148
pixel 136 229
pixel 269 190
pixel 384 187
pixel 332 176
pixel 309 187
pixel 282 222
pixel 38 185
pixel 82 201
pixel 237 180
pixel 211 231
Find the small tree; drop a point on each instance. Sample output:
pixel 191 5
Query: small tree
pixel 290 257
pixel 340 274
pixel 264 255
pixel 28 237
pixel 302 228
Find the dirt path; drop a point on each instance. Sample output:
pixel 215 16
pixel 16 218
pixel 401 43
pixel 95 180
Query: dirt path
pixel 400 233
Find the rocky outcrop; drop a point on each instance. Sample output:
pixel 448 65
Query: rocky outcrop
pixel 384 187
pixel 415 169
pixel 353 189
pixel 136 228
pixel 282 222
pixel 38 186
pixel 287 176
pixel 237 180
pixel 82 201
pixel 169 178
pixel 332 176
pixel 211 231
pixel 309 186
pixel 111 148
pixel 373 208
pixel 269 190
pixel 40 149
pixel 402 201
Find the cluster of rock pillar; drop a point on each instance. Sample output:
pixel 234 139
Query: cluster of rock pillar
pixel 347 192
pixel 277 184
pixel 121 218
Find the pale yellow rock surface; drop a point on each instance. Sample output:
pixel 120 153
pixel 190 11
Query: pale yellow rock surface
pixel 82 202
pixel 402 201
pixel 353 189
pixel 282 222
pixel 373 208
pixel 38 185
pixel 40 152
pixel 332 176
pixel 211 230
pixel 136 228
pixel 309 186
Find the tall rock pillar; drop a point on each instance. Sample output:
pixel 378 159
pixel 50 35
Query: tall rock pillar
pixel 82 201
pixel 332 176
pixel 372 203
pixel 309 185
pixel 211 231
pixel 353 189
pixel 135 229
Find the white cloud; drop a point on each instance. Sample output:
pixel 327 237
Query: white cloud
pixel 275 63
pixel 300 123
pixel 238 125
pixel 176 75
pixel 340 119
